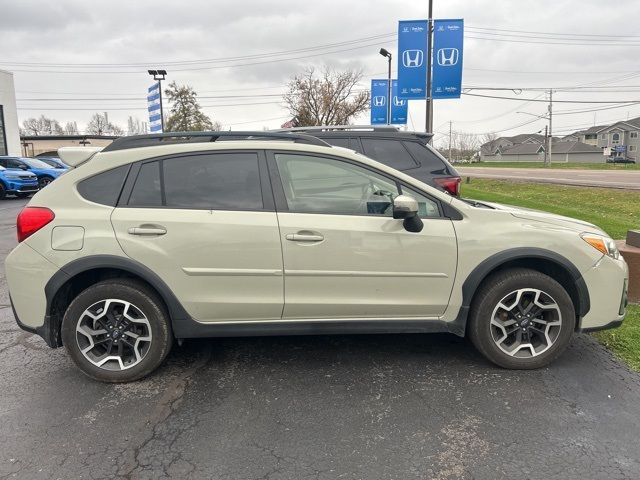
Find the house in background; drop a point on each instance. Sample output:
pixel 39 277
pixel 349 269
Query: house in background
pixel 532 149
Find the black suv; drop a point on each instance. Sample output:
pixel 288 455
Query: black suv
pixel 408 152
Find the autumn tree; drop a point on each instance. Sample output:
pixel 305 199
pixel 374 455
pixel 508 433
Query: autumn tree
pixel 327 98
pixel 186 114
pixel 41 126
pixel 100 125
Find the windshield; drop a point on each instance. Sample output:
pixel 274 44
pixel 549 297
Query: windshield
pixel 35 163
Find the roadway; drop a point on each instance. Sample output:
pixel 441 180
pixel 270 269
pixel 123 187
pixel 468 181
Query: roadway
pixel 629 179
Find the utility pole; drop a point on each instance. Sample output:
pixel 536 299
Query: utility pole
pixel 546 145
pixel 429 112
pixel 547 163
pixel 450 131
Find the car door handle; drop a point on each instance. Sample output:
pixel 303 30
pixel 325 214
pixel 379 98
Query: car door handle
pixel 304 237
pixel 147 230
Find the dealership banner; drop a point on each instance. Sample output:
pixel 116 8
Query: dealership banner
pixel 379 93
pixel 412 59
pixel 399 106
pixel 153 105
pixel 448 37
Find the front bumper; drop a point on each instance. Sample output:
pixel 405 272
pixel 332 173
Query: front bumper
pixel 607 283
pixel 24 188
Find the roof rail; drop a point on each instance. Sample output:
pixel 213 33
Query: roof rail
pixel 372 128
pixel 170 138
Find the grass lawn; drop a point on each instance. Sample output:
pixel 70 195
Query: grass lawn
pixel 625 341
pixel 615 211
pixel 574 166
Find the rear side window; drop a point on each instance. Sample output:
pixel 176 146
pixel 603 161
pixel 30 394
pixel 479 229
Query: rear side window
pixel 219 181
pixel 389 152
pixel 426 157
pixel 147 191
pixel 104 188
pixel 338 142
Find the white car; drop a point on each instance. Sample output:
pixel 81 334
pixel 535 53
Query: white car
pixel 172 236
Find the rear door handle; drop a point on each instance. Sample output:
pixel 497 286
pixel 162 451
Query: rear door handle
pixel 304 237
pixel 148 230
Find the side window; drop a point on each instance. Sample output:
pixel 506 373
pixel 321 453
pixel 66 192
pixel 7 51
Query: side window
pixel 323 185
pixel 104 188
pixel 146 190
pixel 338 142
pixel 11 163
pixel 3 162
pixel 217 181
pixel 427 208
pixel 426 157
pixel 389 152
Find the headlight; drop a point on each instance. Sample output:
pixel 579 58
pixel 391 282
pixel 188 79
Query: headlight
pixel 604 244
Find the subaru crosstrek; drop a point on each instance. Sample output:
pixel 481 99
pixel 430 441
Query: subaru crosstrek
pixel 165 237
pixel 18 183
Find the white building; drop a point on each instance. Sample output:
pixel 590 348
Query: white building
pixel 9 129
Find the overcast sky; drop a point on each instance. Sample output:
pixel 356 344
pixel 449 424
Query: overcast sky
pixel 74 33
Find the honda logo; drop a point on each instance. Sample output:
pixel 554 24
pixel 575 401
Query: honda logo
pixel 379 101
pixel 448 57
pixel 398 102
pixel 412 58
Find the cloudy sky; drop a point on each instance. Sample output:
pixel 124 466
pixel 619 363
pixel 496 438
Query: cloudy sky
pixel 72 58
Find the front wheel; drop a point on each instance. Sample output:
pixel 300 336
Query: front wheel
pixel 117 331
pixel 521 319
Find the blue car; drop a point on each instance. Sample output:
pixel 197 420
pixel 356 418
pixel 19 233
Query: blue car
pixel 18 183
pixel 45 173
pixel 53 162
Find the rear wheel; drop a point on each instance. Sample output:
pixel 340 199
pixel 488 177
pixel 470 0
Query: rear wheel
pixel 117 331
pixel 521 319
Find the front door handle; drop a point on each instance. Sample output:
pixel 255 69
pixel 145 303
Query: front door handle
pixel 148 230
pixel 304 237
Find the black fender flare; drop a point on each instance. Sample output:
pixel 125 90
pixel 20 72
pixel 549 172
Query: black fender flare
pixel 484 268
pixel 176 311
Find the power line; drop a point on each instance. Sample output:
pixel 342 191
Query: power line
pixel 545 101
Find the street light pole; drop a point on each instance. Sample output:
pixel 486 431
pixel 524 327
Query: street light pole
pixel 429 113
pixel 159 76
pixel 386 53
pixel 550 126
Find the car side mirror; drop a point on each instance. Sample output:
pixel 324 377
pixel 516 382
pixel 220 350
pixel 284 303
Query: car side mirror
pixel 406 208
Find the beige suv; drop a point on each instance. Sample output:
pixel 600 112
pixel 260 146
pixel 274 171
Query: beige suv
pixel 164 237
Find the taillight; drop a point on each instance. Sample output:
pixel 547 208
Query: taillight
pixel 450 184
pixel 32 219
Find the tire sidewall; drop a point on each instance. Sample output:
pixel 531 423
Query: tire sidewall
pixel 495 289
pixel 146 302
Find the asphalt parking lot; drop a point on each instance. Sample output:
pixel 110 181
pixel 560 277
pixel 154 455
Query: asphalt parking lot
pixel 329 407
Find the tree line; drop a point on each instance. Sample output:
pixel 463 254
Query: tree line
pixel 327 97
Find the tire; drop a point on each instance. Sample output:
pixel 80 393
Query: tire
pixel 490 316
pixel 3 192
pixel 146 326
pixel 44 181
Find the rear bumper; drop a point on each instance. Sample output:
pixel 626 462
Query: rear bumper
pixel 51 337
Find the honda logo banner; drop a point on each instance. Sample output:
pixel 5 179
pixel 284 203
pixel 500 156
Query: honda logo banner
pixel 399 106
pixel 412 59
pixel 448 36
pixel 379 92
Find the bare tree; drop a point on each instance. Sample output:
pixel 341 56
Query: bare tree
pixel 71 128
pixel 490 141
pixel 100 125
pixel 327 99
pixel 135 126
pixel 41 126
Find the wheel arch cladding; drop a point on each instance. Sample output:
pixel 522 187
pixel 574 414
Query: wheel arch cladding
pixel 80 274
pixel 539 259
